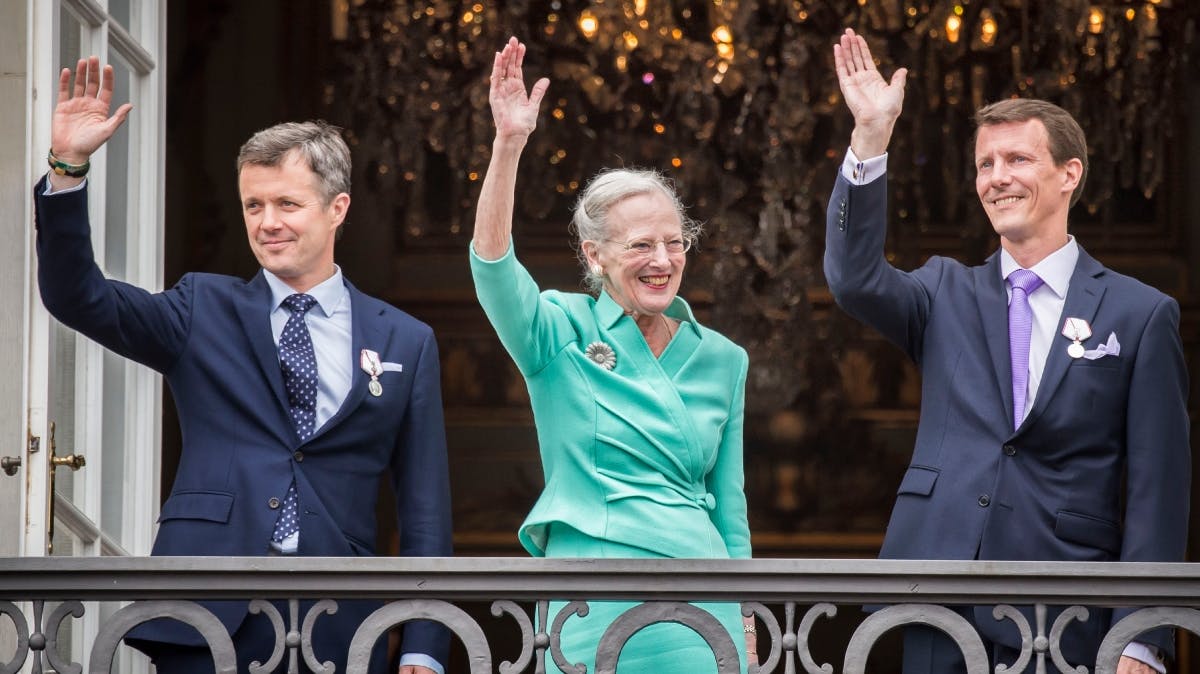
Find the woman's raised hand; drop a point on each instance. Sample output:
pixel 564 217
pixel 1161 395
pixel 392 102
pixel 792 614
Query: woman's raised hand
pixel 514 112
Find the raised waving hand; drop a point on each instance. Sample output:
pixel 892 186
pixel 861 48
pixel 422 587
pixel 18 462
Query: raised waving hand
pixel 874 102
pixel 81 122
pixel 514 112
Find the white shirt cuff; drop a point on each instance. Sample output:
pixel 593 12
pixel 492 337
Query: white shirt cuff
pixel 50 188
pixel 1147 654
pixel 862 172
pixel 421 660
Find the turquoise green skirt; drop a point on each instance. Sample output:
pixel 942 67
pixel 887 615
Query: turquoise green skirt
pixel 662 648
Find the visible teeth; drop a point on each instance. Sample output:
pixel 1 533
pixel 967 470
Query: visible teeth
pixel 656 280
pixel 1006 200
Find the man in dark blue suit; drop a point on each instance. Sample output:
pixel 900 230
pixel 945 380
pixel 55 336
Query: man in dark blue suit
pixel 1053 413
pixel 295 392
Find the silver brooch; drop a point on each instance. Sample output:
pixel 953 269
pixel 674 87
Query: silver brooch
pixel 601 354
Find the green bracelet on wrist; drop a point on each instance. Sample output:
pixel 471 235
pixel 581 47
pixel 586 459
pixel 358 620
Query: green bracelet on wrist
pixel 62 168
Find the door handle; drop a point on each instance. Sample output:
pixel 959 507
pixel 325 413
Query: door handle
pixel 10 464
pixel 72 461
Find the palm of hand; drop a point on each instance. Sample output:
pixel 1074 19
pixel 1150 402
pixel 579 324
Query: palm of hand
pixel 80 125
pixel 512 109
pixel 869 97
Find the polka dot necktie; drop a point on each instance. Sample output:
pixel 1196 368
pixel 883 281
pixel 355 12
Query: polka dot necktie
pixel 299 364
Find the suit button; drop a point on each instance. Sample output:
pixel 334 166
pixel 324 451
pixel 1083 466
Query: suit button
pixel 298 456
pixel 273 503
pixel 1010 450
pixel 984 500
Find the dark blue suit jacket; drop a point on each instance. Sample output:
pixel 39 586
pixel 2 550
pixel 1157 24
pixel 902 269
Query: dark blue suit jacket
pixel 210 337
pixel 1100 468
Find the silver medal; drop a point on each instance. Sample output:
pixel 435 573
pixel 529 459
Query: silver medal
pixel 376 388
pixel 1075 350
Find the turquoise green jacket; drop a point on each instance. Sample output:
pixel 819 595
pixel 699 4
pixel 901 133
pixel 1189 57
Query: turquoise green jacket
pixel 648 453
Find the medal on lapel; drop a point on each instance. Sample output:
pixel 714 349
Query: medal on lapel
pixel 368 360
pixel 1076 330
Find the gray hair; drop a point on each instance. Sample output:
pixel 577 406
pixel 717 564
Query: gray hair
pixel 317 142
pixel 590 220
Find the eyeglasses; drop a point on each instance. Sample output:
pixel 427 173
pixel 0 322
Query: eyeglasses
pixel 646 247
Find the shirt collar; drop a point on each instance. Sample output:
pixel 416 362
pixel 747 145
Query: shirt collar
pixel 329 293
pixel 1055 269
pixel 610 312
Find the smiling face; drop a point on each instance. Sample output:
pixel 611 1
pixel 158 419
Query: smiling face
pixel 1025 194
pixel 643 284
pixel 290 227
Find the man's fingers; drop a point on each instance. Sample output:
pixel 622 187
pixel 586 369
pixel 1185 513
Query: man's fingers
pixel 106 84
pixel 118 118
pixel 80 77
pixel 64 85
pixel 93 77
pixel 899 78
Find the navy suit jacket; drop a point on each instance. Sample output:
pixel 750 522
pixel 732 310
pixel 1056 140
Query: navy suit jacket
pixel 1099 469
pixel 210 336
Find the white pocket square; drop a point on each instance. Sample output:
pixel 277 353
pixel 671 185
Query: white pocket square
pixel 392 367
pixel 1111 348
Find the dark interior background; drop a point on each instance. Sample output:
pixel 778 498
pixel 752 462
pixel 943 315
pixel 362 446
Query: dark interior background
pixel 831 408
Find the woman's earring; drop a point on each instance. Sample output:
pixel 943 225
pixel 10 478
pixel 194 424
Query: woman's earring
pixel 598 270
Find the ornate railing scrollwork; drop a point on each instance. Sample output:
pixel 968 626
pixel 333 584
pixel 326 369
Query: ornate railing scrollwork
pixel 769 591
pixel 528 641
pixel 652 612
pixel 479 656
pixel 579 608
pixel 763 615
pixel 1029 644
pixel 1060 625
pixel 114 629
pixel 1128 628
pixel 22 637
pixel 954 625
pixel 802 632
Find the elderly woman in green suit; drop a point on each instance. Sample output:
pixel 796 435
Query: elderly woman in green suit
pixel 638 407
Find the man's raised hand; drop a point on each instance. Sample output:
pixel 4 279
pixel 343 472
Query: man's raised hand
pixel 874 102
pixel 81 122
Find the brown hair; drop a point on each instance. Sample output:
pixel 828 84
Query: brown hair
pixel 1065 137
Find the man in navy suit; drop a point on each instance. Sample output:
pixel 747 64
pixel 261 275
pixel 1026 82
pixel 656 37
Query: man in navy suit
pixel 295 392
pixel 1053 413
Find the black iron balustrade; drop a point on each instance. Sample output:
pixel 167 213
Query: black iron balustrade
pixel 911 593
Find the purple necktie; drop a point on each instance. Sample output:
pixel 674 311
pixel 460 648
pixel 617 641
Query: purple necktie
pixel 1020 324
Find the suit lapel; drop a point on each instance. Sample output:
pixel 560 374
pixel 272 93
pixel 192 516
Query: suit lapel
pixel 253 305
pixel 992 302
pixel 368 331
pixel 1083 299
